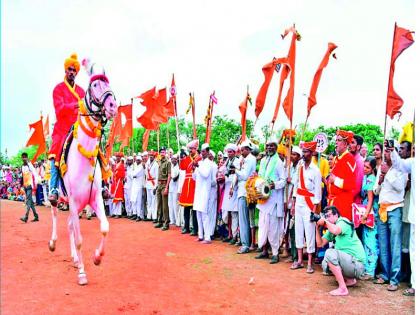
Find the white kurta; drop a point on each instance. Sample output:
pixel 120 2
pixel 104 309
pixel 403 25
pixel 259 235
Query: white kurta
pixel 202 177
pixel 127 188
pixel 173 195
pixel 212 205
pixel 230 203
pixel 152 170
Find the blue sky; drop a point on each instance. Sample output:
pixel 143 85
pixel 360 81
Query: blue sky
pixel 209 45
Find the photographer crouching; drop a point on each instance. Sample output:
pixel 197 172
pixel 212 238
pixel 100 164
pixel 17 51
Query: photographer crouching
pixel 346 260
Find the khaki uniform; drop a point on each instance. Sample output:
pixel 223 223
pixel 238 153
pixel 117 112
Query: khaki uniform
pixel 162 200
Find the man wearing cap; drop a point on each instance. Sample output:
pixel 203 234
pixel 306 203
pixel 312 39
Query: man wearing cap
pixel 230 197
pixel 152 169
pixel 128 184
pixel 306 197
pixel 291 182
pixel 186 198
pixel 136 196
pixel 342 180
pixel 164 177
pixel 117 188
pixel 203 176
pixel 247 167
pixel 271 210
pixel 67 96
pixel 173 191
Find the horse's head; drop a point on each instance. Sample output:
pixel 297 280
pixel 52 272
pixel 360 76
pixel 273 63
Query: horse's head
pixel 100 100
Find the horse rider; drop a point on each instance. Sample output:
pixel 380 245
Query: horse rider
pixel 67 97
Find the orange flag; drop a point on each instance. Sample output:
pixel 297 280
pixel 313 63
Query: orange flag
pixel 317 77
pixel 171 109
pixel 243 108
pixel 285 71
pixel 402 40
pixel 37 138
pixel 291 57
pixel 268 71
pixel 146 139
pixel 191 106
pixel 47 126
pixel 156 110
pixel 125 132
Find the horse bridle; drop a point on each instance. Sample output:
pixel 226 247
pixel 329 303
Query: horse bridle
pixel 91 99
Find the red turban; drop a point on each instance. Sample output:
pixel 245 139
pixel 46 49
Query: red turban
pixel 288 133
pixel 311 146
pixel 119 154
pixel 72 61
pixel 345 134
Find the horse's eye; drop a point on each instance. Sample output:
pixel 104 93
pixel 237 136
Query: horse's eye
pixel 94 85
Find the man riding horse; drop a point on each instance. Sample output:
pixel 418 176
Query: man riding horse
pixel 67 96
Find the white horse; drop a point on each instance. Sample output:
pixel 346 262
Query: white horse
pixel 83 174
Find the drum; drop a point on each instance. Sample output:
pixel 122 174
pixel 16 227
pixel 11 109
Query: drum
pixel 258 190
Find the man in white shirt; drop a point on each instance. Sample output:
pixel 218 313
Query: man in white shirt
pixel 270 225
pixel 247 167
pixel 128 185
pixel 390 185
pixel 202 176
pixel 28 175
pixel 212 204
pixel 173 191
pixel 152 169
pixel 136 197
pixel 408 166
pixel 306 197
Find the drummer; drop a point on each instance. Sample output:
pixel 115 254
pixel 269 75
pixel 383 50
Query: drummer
pixel 272 209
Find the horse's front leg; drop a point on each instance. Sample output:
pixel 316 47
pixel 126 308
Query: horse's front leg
pixel 99 208
pixel 53 240
pixel 75 208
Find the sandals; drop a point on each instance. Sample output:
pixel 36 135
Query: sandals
pixel 392 287
pixel 310 269
pixel 367 277
pixel 409 292
pixel 380 280
pixel 296 265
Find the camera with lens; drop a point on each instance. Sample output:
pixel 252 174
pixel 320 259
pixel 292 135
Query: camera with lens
pixel 315 217
pixel 231 170
pixel 389 143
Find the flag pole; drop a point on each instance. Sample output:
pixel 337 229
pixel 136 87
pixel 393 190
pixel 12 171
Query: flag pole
pixel 193 114
pixel 132 138
pixel 387 91
pixel 176 126
pixel 157 138
pixel 414 134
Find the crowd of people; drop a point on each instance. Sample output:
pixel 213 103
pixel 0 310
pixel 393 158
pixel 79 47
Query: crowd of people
pixel 256 201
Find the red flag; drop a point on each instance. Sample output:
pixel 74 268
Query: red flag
pixel 402 40
pixel 47 127
pixel 110 142
pixel 291 57
pixel 317 77
pixel 146 139
pixel 156 110
pixel 126 111
pixel 171 105
pixel 37 138
pixel 243 108
pixel 207 119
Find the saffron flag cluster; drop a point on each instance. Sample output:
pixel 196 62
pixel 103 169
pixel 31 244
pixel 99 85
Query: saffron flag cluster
pixel 403 39
pixel 208 118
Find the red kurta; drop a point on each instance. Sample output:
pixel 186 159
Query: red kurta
pixel 66 115
pixel 342 197
pixel 186 199
pixel 117 188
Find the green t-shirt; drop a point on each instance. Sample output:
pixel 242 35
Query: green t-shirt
pixel 346 242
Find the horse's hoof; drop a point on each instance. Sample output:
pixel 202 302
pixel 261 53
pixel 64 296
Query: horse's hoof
pixel 97 258
pixel 51 245
pixel 82 279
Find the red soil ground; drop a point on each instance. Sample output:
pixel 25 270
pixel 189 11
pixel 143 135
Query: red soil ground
pixel 147 271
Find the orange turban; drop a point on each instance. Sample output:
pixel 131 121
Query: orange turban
pixel 119 154
pixel 311 146
pixel 345 134
pixel 72 61
pixel 282 149
pixel 288 133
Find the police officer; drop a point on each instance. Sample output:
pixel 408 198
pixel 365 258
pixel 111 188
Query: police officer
pixel 164 175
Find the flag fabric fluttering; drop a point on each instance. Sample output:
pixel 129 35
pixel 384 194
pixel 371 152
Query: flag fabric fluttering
pixel 110 142
pixel 317 77
pixel 268 71
pixel 243 108
pixel 209 115
pixel 191 107
pixel 126 130
pixel 37 138
pixel 285 71
pixel 403 39
pixel 171 109
pixel 291 60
